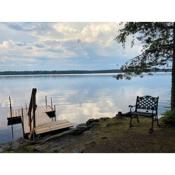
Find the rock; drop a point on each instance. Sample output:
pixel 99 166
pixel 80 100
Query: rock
pixel 119 115
pixel 90 121
pixel 88 132
pixel 104 138
pixel 80 129
pixel 83 125
pixel 104 118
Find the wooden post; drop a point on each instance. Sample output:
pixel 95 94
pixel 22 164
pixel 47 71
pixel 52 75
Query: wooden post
pixel 10 107
pixel 11 115
pixel 51 103
pixel 46 101
pixel 32 108
pixel 30 122
pixel 55 111
pixel 22 122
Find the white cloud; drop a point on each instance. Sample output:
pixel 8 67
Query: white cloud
pixel 98 32
pixel 62 40
pixel 6 44
pixel 64 28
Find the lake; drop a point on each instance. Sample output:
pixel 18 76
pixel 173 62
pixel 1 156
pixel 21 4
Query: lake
pixel 80 97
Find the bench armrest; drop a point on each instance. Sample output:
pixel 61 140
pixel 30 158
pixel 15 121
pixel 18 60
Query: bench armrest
pixel 131 106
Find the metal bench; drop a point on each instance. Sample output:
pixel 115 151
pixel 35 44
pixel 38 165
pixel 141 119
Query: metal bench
pixel 146 106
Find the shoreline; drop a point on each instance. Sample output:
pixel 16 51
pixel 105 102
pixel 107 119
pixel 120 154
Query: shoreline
pixel 104 135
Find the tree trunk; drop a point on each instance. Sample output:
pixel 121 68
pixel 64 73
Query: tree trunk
pixel 173 73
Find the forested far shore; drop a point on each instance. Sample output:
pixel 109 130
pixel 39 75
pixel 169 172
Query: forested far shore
pixel 72 72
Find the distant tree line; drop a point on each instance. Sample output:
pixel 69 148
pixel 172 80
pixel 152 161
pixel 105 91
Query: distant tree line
pixel 74 71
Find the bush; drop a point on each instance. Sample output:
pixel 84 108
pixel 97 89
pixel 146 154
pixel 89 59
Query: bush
pixel 169 118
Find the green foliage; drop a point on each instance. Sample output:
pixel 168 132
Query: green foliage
pixel 157 41
pixel 169 118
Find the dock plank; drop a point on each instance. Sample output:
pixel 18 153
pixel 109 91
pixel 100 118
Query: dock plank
pixel 41 118
pixel 43 122
pixel 52 126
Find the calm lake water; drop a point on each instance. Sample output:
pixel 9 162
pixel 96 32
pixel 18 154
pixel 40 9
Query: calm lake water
pixel 79 97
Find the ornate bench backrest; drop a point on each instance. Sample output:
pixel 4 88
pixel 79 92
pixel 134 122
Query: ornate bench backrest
pixel 147 103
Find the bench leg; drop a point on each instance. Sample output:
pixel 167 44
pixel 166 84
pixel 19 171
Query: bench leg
pixel 152 126
pixel 130 123
pixel 157 120
pixel 138 121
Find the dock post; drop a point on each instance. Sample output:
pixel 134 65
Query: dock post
pixel 51 103
pixel 22 122
pixel 11 115
pixel 55 112
pixel 46 101
pixel 32 109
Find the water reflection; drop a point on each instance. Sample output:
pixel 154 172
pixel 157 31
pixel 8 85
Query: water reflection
pixel 79 98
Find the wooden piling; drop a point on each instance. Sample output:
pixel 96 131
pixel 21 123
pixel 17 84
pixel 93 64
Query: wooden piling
pixel 51 103
pixel 55 112
pixel 11 115
pixel 31 110
pixel 34 107
pixel 22 123
pixel 46 101
pixel 10 107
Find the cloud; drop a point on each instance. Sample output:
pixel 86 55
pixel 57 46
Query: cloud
pixel 97 32
pixel 85 42
pixel 15 51
pixel 6 45
pixel 64 28
pixel 30 26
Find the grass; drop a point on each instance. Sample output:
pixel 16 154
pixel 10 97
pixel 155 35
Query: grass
pixel 107 136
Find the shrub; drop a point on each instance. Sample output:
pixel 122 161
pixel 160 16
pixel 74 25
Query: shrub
pixel 169 118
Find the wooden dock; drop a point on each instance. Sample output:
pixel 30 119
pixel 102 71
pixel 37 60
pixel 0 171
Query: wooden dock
pixel 44 123
pixel 37 120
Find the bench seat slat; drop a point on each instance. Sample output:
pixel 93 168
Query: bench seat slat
pixel 146 114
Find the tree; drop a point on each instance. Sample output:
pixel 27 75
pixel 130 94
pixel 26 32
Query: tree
pixel 158 39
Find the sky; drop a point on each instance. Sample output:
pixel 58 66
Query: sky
pixel 62 46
